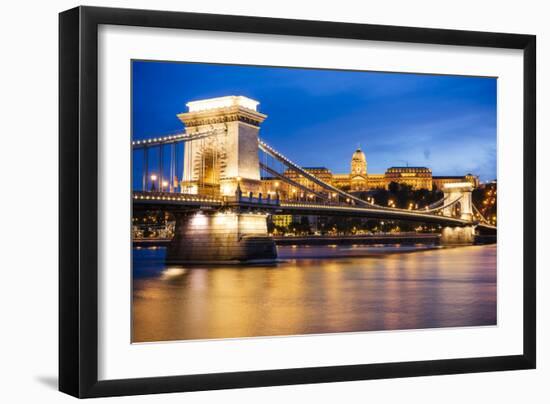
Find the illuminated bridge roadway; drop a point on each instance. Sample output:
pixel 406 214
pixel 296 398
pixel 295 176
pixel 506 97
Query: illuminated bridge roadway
pixel 190 202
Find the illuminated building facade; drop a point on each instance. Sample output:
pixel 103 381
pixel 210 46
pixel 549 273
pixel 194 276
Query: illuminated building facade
pixel 359 179
pixel 281 220
pixel 323 173
pixel 415 177
pixel 377 181
pixel 273 186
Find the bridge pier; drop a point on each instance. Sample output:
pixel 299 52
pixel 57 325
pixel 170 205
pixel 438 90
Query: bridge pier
pixel 457 235
pixel 221 237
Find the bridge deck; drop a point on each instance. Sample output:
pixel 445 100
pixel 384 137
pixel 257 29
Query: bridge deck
pixel 179 201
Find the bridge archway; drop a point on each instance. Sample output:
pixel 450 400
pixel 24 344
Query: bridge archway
pixel 208 168
pixel 457 210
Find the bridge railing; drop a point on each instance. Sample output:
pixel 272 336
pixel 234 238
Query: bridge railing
pixel 258 199
pixel 173 197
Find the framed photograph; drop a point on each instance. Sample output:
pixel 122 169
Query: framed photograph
pixel 251 201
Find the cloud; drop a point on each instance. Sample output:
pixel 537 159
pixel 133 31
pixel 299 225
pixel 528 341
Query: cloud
pixel 427 154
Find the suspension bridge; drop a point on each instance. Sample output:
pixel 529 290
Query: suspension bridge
pixel 221 204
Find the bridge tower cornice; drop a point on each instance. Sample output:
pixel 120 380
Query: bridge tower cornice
pixel 222 115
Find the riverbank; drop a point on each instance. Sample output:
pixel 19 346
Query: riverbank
pixel 373 239
pixel 369 239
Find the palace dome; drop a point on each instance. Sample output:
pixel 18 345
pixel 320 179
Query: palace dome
pixel 359 162
pixel 358 155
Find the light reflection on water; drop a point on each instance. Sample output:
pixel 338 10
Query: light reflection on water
pixel 360 288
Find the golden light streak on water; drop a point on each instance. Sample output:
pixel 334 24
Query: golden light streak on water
pixel 357 289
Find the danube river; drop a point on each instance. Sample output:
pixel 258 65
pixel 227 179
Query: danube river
pixel 313 290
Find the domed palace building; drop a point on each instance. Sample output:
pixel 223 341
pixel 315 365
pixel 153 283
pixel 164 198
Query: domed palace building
pixel 359 179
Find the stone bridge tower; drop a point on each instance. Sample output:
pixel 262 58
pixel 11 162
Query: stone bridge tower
pixel 221 155
pixel 463 209
pixel 463 192
pixel 225 151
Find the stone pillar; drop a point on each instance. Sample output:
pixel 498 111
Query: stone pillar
pixel 221 237
pixel 457 235
pixel 463 192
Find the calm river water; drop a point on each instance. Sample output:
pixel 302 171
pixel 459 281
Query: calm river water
pixel 321 289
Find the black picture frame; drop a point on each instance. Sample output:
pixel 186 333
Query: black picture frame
pixel 78 201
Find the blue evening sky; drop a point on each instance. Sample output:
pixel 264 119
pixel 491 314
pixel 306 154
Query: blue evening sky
pixel 318 117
